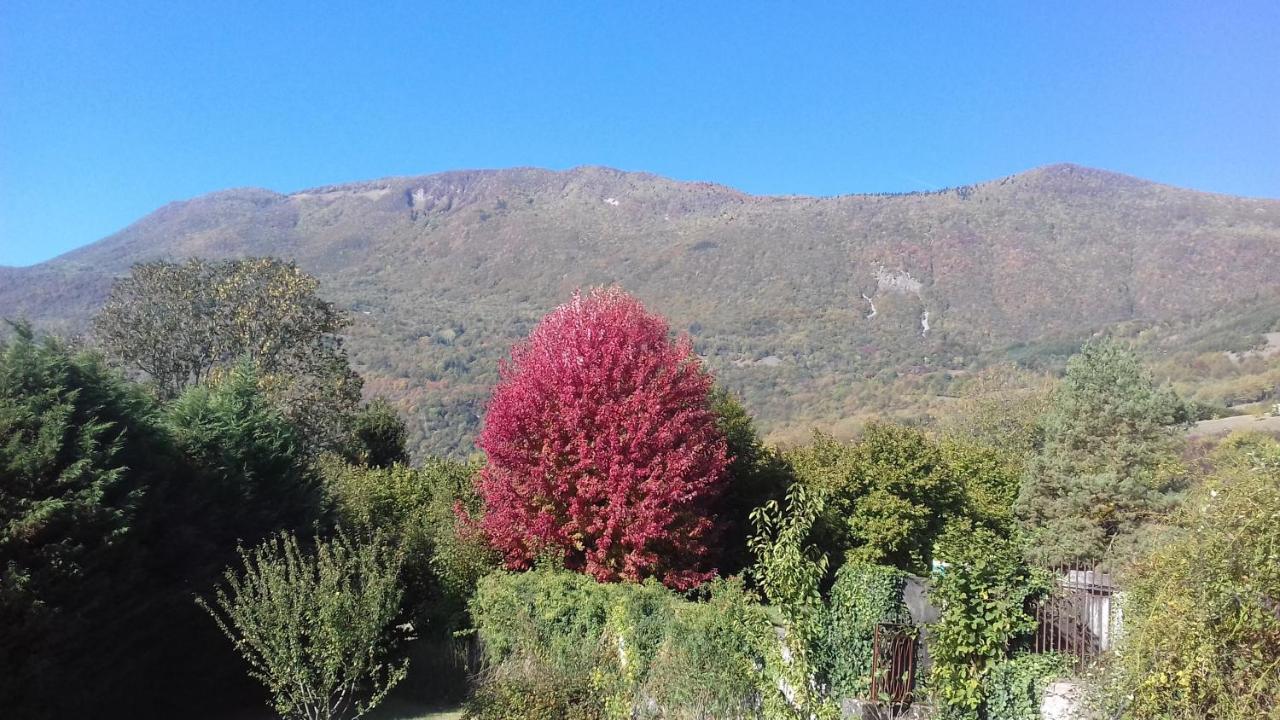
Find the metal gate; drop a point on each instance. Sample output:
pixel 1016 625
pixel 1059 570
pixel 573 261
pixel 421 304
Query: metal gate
pixel 1078 618
pixel 893 662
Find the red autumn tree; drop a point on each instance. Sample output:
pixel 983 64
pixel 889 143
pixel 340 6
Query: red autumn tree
pixel 603 448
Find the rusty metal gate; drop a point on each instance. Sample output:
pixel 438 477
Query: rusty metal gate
pixel 893 662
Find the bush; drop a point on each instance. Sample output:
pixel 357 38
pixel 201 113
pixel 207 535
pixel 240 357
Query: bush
pixel 985 593
pixel 315 628
pixel 712 661
pixel 645 651
pixel 1202 630
pixel 537 695
pixel 789 570
pixel 862 597
pixel 1015 686
pixel 561 617
pixel 414 509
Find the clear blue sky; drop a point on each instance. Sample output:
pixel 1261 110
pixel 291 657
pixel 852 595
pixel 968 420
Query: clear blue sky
pixel 109 110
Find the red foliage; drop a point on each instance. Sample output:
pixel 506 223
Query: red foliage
pixel 602 447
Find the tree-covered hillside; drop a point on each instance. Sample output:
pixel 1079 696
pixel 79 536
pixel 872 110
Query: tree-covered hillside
pixel 814 309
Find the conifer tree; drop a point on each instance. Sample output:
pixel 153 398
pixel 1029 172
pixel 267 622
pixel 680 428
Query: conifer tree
pixel 1109 456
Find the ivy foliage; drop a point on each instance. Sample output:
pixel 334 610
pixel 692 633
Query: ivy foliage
pixel 861 597
pixel 711 660
pixel 1015 686
pixel 985 593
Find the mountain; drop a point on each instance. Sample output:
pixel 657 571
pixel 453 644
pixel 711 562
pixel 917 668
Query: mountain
pixel 810 307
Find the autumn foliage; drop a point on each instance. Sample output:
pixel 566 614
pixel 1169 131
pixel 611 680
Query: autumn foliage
pixel 602 447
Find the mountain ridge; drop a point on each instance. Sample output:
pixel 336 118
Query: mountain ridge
pixel 1054 172
pixel 799 302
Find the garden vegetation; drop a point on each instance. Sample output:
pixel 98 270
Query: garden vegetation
pixel 197 509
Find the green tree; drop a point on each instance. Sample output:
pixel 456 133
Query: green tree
pixel 757 474
pixel 378 436
pixel 316 628
pixel 888 496
pixel 76 442
pixel 1109 459
pixel 991 478
pixel 179 323
pixel 250 476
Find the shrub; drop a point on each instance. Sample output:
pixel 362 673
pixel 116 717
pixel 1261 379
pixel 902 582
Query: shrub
pixel 603 448
pixel 315 628
pixel 984 593
pixel 645 651
pixel 561 617
pixel 862 597
pixel 414 509
pixel 537 694
pixel 1015 686
pixel 1202 629
pixel 712 661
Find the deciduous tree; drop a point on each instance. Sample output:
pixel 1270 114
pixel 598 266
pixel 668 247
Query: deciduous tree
pixel 178 323
pixel 603 448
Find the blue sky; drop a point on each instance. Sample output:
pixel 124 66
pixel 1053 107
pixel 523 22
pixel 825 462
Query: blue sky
pixel 109 110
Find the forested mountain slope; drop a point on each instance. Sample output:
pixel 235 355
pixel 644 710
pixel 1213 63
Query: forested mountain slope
pixel 813 308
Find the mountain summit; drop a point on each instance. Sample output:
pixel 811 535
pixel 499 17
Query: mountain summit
pixel 795 301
